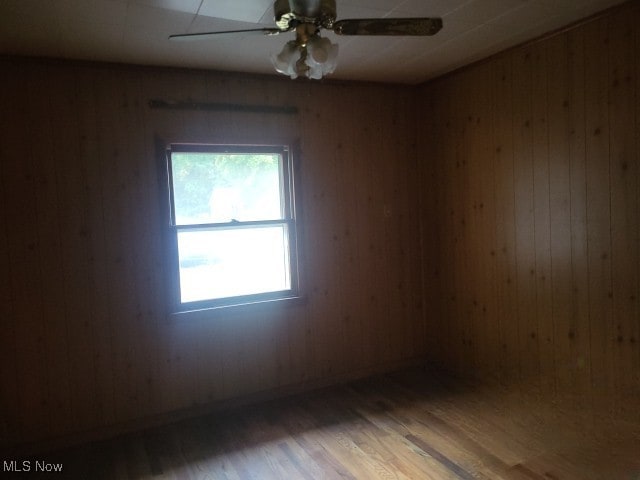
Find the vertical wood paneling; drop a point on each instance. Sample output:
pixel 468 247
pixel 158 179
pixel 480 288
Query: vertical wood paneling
pixel 579 332
pixel 376 214
pixel 9 400
pixel 94 231
pixel 71 182
pixel 321 255
pixel 481 339
pixel 598 209
pixel 347 239
pixel 504 193
pixel 542 231
pixel 624 189
pixel 431 161
pixel 560 207
pixel 450 237
pixel 635 340
pixel 562 161
pixel 462 338
pixel 525 215
pixel 48 196
pixel 118 189
pixel 31 416
pixel 472 180
pixel 143 228
pixel 89 339
pixel 484 206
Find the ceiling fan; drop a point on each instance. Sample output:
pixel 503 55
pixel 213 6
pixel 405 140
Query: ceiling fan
pixel 311 55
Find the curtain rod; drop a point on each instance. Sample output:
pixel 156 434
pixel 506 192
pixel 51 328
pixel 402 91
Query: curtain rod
pixel 222 107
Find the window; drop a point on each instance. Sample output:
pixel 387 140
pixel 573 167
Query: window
pixel 233 221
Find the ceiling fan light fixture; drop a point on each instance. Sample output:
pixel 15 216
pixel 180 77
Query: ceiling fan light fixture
pixel 311 55
pixel 308 56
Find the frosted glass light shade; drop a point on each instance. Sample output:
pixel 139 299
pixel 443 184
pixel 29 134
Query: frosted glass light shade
pixel 285 61
pixel 316 58
pixel 323 56
pixel 319 48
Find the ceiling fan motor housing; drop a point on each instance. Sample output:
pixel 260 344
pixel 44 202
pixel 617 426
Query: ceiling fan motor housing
pixel 289 13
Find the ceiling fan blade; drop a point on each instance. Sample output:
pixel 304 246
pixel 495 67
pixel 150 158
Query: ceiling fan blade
pixel 388 26
pixel 205 35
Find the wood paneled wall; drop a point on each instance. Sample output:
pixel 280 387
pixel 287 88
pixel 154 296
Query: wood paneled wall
pixel 531 234
pixel 86 339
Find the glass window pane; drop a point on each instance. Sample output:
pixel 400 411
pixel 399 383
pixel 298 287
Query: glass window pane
pixel 221 187
pixel 222 263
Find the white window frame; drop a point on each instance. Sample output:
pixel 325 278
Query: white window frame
pixel 288 195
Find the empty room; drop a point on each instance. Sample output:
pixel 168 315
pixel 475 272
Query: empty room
pixel 346 239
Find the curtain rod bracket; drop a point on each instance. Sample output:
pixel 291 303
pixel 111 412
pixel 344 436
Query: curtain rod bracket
pixel 222 107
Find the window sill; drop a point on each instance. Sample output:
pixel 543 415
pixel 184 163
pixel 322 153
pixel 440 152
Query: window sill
pixel 249 308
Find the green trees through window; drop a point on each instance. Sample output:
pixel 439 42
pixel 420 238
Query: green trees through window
pixel 219 187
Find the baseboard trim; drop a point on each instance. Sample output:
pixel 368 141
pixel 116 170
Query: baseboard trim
pixel 144 423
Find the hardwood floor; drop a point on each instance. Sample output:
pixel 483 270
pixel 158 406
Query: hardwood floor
pixel 406 425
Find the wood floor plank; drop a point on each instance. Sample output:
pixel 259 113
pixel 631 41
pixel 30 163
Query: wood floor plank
pixel 414 424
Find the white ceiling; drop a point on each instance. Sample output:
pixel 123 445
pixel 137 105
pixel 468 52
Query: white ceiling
pixel 136 31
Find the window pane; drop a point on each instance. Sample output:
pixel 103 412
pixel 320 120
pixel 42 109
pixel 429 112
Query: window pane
pixel 221 187
pixel 222 263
